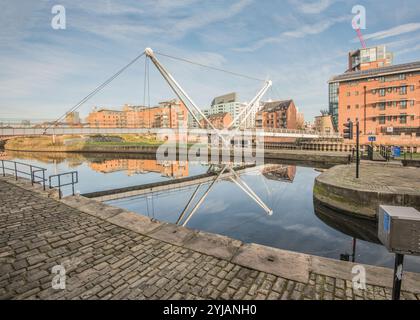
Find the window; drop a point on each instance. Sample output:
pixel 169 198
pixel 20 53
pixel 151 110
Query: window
pixel 412 118
pixel 389 90
pixel 382 119
pixel 394 103
pixel 403 90
pixel 356 93
pixel 348 107
pixel 381 79
pixel 374 119
pixel 412 88
pixel 403 118
pixel 389 118
pixel 348 94
pixel 403 104
pixel 412 102
pixel 389 103
pixel 357 106
pixel 374 91
pixel 401 76
pixel 382 92
pixel 381 105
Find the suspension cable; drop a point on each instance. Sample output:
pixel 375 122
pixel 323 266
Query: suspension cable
pixel 95 91
pixel 210 67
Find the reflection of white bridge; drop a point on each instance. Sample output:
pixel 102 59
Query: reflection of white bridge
pixel 29 131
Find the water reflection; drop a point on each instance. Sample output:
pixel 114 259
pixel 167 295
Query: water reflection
pixel 173 169
pixel 297 223
pixel 279 172
pixel 362 229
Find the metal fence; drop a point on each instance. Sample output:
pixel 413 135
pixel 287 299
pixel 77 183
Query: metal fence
pixel 59 181
pixel 36 174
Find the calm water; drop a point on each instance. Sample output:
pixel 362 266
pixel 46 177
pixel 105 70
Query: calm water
pixel 296 223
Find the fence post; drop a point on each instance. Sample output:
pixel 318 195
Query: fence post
pixel 32 175
pixel 16 177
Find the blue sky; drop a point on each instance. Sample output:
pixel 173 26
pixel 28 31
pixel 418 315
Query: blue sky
pixel 297 44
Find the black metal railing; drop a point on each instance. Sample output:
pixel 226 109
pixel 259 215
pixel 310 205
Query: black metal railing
pixel 385 152
pixel 36 174
pixel 59 177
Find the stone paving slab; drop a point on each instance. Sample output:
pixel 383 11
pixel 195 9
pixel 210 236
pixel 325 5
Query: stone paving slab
pixel 110 259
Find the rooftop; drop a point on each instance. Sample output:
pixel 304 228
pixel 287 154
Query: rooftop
pixel 354 75
pixel 276 105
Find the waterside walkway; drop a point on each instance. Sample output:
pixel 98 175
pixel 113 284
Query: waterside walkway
pixel 110 253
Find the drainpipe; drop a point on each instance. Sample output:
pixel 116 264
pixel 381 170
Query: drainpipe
pixel 364 118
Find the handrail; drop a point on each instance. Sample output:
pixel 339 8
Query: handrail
pixel 74 180
pixel 32 171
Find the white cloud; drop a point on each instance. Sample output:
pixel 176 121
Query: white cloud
pixel 202 19
pixel 312 7
pixel 302 31
pixel 396 31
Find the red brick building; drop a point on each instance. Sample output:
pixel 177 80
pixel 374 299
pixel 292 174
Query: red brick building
pixel 385 100
pixel 219 120
pixel 277 115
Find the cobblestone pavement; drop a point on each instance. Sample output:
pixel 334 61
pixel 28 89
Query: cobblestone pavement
pixel 105 261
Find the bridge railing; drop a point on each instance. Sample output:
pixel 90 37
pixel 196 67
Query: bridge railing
pixel 58 178
pixel 36 174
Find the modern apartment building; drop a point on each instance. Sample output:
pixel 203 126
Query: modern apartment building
pixel 385 100
pixel 227 103
pixel 277 115
pixel 168 114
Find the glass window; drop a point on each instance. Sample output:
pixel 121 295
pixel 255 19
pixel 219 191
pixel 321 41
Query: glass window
pixel 412 102
pixel 403 118
pixel 403 90
pixel 348 107
pixel 381 106
pixel 382 92
pixel 402 76
pixel 412 88
pixel 403 104
pixel 382 119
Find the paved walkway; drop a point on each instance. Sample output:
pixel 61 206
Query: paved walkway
pixel 104 260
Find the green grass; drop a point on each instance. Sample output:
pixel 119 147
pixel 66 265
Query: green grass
pixel 409 156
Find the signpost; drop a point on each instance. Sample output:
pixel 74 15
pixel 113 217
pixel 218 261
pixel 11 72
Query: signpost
pixel 348 134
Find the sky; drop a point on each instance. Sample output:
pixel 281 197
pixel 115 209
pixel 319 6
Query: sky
pixel 298 44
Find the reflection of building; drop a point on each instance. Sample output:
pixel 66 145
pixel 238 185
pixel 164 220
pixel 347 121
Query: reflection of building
pixel 219 120
pixel 135 166
pixel 279 172
pixel 384 98
pixel 168 114
pixel 277 115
